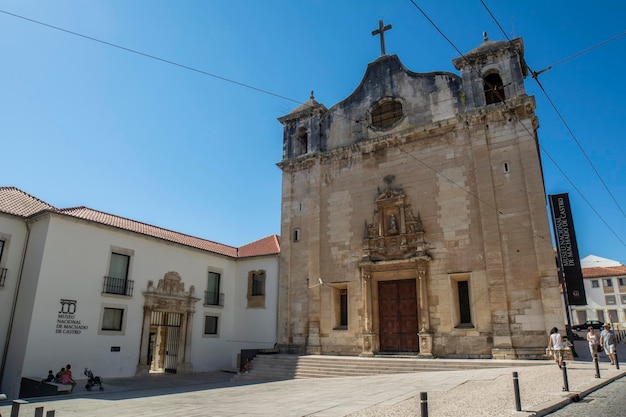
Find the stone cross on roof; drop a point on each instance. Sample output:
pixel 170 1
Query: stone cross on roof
pixel 381 31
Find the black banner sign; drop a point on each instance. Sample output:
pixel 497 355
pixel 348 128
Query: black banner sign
pixel 567 248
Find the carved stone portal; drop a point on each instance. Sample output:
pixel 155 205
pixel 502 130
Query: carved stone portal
pixel 168 297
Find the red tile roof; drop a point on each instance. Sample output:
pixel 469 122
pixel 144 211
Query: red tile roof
pixel 149 230
pixel 267 246
pixel 19 203
pixel 604 271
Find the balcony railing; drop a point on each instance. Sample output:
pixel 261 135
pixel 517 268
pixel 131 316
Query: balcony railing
pixel 3 276
pixel 118 286
pixel 213 298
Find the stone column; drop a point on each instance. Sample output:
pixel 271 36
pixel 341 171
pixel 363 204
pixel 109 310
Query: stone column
pixel 368 334
pixel 184 363
pixel 144 367
pixel 425 334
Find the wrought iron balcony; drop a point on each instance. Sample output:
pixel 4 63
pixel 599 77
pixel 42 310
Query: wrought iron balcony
pixel 3 276
pixel 118 286
pixel 213 298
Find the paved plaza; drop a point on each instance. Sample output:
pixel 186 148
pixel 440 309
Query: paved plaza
pixel 483 392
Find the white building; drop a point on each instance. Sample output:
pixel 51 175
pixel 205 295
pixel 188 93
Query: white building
pixel 605 287
pixel 122 297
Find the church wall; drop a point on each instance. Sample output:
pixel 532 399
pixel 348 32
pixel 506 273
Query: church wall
pixel 430 98
pixel 456 223
pixel 74 258
pixel 470 170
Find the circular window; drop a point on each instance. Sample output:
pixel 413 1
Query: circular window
pixel 387 114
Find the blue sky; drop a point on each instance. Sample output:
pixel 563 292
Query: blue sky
pixel 84 123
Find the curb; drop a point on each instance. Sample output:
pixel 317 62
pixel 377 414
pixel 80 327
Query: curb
pixel 573 397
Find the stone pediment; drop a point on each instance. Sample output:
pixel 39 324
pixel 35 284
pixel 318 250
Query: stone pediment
pixel 170 294
pixel 394 233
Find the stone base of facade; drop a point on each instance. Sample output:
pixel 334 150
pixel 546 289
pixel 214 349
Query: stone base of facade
pixel 291 349
pixel 142 370
pixel 184 368
pixel 524 353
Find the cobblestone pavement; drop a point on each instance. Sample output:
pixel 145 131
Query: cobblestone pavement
pixel 468 393
pixel 609 401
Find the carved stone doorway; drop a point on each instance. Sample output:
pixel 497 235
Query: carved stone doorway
pixel 398 321
pixel 164 346
pixel 166 336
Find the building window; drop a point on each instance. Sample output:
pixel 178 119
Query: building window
pixel 112 319
pixel 343 308
pixel 622 282
pixel 210 325
pixel 595 283
pixel 258 283
pixel 610 300
pixel 608 282
pixel 296 235
pixel 600 315
pixel 461 299
pixel 494 89
pixel 212 295
pixel 623 298
pixel 256 289
pixel 613 316
pixel 464 302
pixel 581 316
pixel 117 282
pixel 302 142
pixel 387 114
pixel 3 271
pixel 340 296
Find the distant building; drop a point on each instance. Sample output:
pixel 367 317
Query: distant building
pixel 122 297
pixel 414 215
pixel 605 286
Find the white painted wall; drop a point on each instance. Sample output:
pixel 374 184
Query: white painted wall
pixel 13 231
pixel 68 259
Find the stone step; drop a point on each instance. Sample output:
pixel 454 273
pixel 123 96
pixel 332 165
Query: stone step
pixel 290 366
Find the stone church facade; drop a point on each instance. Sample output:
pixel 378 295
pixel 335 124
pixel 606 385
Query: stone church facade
pixel 414 217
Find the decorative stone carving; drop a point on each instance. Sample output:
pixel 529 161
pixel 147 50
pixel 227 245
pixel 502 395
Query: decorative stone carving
pixel 170 295
pixel 394 233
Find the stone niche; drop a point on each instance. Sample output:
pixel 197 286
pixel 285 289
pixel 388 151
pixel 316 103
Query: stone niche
pixel 394 233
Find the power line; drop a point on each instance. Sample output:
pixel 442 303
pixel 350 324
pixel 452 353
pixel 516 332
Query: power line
pixel 256 88
pixel 570 131
pixel 167 61
pixel 576 55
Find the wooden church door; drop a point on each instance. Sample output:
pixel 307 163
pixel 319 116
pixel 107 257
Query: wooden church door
pixel 398 323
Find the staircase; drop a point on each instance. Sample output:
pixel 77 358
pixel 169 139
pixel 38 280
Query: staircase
pixel 286 366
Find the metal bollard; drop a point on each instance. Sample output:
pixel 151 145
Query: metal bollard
pixel 596 364
pixel 424 403
pixel 616 360
pixel 15 408
pixel 565 382
pixel 518 402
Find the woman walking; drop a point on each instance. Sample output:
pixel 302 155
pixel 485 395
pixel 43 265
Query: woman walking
pixel 594 341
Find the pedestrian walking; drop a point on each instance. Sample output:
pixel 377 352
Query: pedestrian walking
pixel 607 340
pixel 555 344
pixel 594 341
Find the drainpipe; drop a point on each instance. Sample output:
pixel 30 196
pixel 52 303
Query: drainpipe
pixel 14 305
